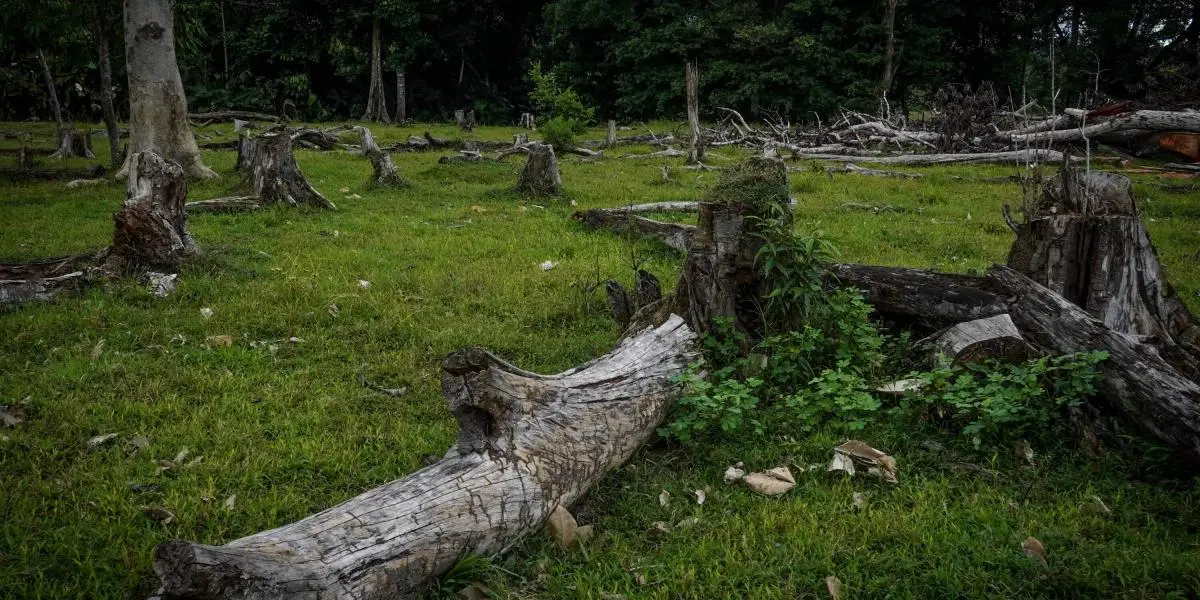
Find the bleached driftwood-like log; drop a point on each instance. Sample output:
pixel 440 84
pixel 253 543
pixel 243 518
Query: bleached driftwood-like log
pixel 230 115
pixel 675 235
pixel 527 445
pixel 667 153
pixel 221 205
pixel 274 175
pixel 540 175
pixel 1151 120
pixel 993 338
pixel 919 160
pixel 463 156
pixel 857 170
pixel 386 172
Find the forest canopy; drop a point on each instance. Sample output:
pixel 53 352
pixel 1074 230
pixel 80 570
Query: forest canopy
pixel 311 59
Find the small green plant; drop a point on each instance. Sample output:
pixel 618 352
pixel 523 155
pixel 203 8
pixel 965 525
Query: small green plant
pixel 559 132
pixel 836 395
pixel 553 101
pixel 722 405
pixel 998 402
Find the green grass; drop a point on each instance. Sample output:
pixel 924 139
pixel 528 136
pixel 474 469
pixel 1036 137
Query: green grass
pixel 453 261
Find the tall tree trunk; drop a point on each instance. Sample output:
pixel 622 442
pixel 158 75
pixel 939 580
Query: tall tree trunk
pixel 55 109
pixel 157 105
pixel 106 93
pixel 401 98
pixel 889 51
pixel 376 102
pixel 692 85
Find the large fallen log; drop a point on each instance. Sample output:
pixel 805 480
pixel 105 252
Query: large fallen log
pixel 675 235
pixel 230 115
pixel 923 160
pixel 1146 120
pixel 934 299
pixel 527 445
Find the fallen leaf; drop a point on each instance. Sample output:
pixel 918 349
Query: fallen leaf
pixel 854 454
pixel 1034 549
pixel 100 440
pixel 564 529
pixel 547 265
pixel 688 522
pixel 229 502
pixel 97 349
pixel 733 473
pixel 860 500
pixel 219 340
pixel 139 442
pixel 194 462
pixel 345 190
pixel 161 515
pixel 162 466
pixel 206 312
pixel 478 209
pixel 11 417
pixel 333 310
pixel 700 496
pixel 363 284
pixel 834 585
pixel 772 482
pixel 664 498
pixel 182 454
pixel 640 578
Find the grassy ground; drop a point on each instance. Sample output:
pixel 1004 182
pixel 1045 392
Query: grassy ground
pixel 284 427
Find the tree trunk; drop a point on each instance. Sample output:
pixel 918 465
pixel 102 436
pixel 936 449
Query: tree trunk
pixel 933 299
pixel 1012 157
pixel 527 445
pixel 401 99
pixel 52 91
pixel 1149 120
pixel 610 140
pixel 106 91
pixel 1086 241
pixel 993 338
pixel 889 52
pixel 274 175
pixel 376 101
pixel 157 105
pixel 692 83
pixel 385 170
pixel 540 175
pixel 526 122
pixel 151 228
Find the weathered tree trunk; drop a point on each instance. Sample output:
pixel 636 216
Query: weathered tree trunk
pixel 610 139
pixel 1086 241
pixel 540 175
pixel 526 122
pixel 376 101
pixel 1020 157
pixel 52 93
pixel 157 105
pixel 386 172
pixel 621 220
pixel 993 338
pixel 73 143
pixel 527 445
pixel 692 83
pixel 1148 120
pixel 934 299
pixel 274 175
pixel 401 98
pixel 100 31
pixel 245 153
pixel 151 228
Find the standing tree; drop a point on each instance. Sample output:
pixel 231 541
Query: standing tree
pixel 101 25
pixel 376 101
pixel 157 105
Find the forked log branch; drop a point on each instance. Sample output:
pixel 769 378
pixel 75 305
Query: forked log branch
pixel 386 173
pixel 527 444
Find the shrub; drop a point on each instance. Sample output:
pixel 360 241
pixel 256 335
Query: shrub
pixel 553 101
pixel 559 132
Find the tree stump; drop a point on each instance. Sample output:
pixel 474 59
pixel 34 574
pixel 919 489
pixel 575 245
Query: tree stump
pixel 245 153
pixel 527 445
pixel 386 173
pixel 993 338
pixel 1085 240
pixel 274 175
pixel 540 175
pixel 526 122
pixel 151 228
pixel 465 119
pixel 73 143
pixel 610 139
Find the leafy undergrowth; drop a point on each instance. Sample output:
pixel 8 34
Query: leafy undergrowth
pixel 283 427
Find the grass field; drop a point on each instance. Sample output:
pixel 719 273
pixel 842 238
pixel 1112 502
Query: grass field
pixel 282 425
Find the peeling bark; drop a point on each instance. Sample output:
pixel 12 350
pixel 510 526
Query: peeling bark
pixel 527 445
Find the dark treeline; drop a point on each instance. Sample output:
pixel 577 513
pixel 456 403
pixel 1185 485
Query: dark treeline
pixel 310 59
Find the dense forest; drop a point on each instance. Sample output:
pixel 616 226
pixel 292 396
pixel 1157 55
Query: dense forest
pixel 312 59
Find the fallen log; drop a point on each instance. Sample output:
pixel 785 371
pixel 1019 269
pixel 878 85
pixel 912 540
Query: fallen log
pixel 30 174
pixel 386 173
pixel 223 205
pixel 463 156
pixel 924 160
pixel 230 115
pixel 527 445
pixel 857 170
pixel 667 153
pixel 931 298
pixel 1152 120
pixel 675 235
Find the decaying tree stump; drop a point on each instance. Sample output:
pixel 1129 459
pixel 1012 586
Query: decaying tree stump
pixel 73 143
pixel 993 338
pixel 526 122
pixel 540 175
pixel 610 139
pixel 527 444
pixel 273 174
pixel 386 172
pixel 465 119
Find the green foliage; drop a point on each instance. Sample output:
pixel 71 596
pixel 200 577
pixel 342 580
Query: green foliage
pixel 551 100
pixel 723 405
pixel 838 395
pixel 998 402
pixel 559 132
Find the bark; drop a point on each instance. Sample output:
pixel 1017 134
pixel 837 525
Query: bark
pixel 540 175
pixel 993 338
pixel 106 89
pixel 1153 120
pixel 231 115
pixel 692 85
pixel 151 228
pixel 675 235
pixel 1135 379
pixel 610 139
pixel 647 288
pixel 1085 241
pixel 52 91
pixel 245 153
pixel 157 105
pixel 401 98
pixel 386 173
pixel 376 101
pixel 527 445
pixel 274 175
pixel 618 302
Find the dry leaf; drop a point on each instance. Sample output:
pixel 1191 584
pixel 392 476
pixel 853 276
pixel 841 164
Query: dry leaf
pixel 860 500
pixel 772 482
pixel 11 417
pixel 700 496
pixel 664 498
pixel 182 454
pixel 99 440
pixel 688 522
pixel 733 474
pixel 219 340
pixel 161 515
pixel 855 454
pixel 565 530
pixel 1034 549
pixel 661 526
pixel 206 312
pixel 478 209
pixel 229 502
pixel 97 349
pixel 162 466
pixel 140 442
pixel 640 578
pixel 333 310
pixel 834 585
